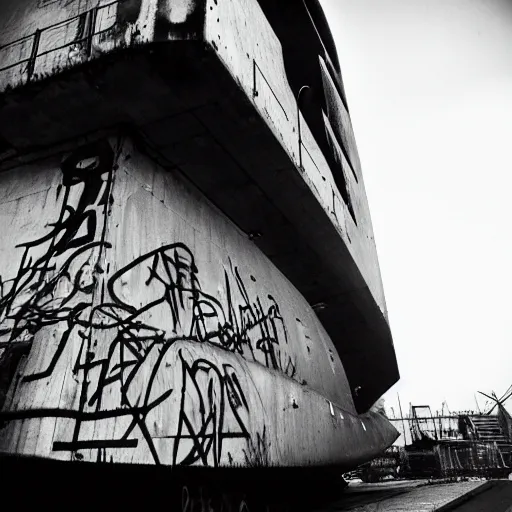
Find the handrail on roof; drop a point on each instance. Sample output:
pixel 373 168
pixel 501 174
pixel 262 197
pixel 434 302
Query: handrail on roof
pixel 36 37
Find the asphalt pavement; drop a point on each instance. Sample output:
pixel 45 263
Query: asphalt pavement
pixel 497 498
pixel 422 496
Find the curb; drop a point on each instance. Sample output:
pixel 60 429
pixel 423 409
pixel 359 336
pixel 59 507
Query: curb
pixel 466 497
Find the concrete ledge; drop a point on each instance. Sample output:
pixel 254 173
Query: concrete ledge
pixel 466 497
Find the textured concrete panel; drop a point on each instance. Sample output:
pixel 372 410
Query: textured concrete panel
pixel 248 46
pixel 140 326
pixel 226 114
pixel 250 49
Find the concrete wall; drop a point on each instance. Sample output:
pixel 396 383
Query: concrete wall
pixel 138 325
pixel 65 26
pixel 250 49
pixel 241 35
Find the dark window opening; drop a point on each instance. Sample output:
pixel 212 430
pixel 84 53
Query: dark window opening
pixel 338 171
pixel 321 25
pixel 338 116
pixel 324 34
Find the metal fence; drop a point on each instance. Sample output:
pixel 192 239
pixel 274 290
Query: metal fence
pixel 471 459
pixel 72 37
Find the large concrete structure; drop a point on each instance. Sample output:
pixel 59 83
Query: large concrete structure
pixel 188 269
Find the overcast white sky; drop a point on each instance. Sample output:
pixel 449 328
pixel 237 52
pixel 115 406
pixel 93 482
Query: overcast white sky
pixel 429 86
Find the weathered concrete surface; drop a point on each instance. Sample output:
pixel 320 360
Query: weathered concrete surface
pixel 140 326
pixel 246 43
pixel 249 47
pixel 226 116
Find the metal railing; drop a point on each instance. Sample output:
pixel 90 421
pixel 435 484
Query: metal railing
pixel 304 156
pixel 30 46
pixel 25 52
pixel 301 146
pixel 257 70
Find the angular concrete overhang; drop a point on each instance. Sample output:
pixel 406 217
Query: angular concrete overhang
pixel 202 86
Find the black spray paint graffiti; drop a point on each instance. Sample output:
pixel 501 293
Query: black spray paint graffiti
pixel 208 435
pixel 247 329
pixel 28 302
pixel 61 285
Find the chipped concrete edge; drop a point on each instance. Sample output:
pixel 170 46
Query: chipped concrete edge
pixel 466 497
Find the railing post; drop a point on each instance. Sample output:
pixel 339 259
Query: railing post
pixel 254 85
pixel 298 123
pixel 33 54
